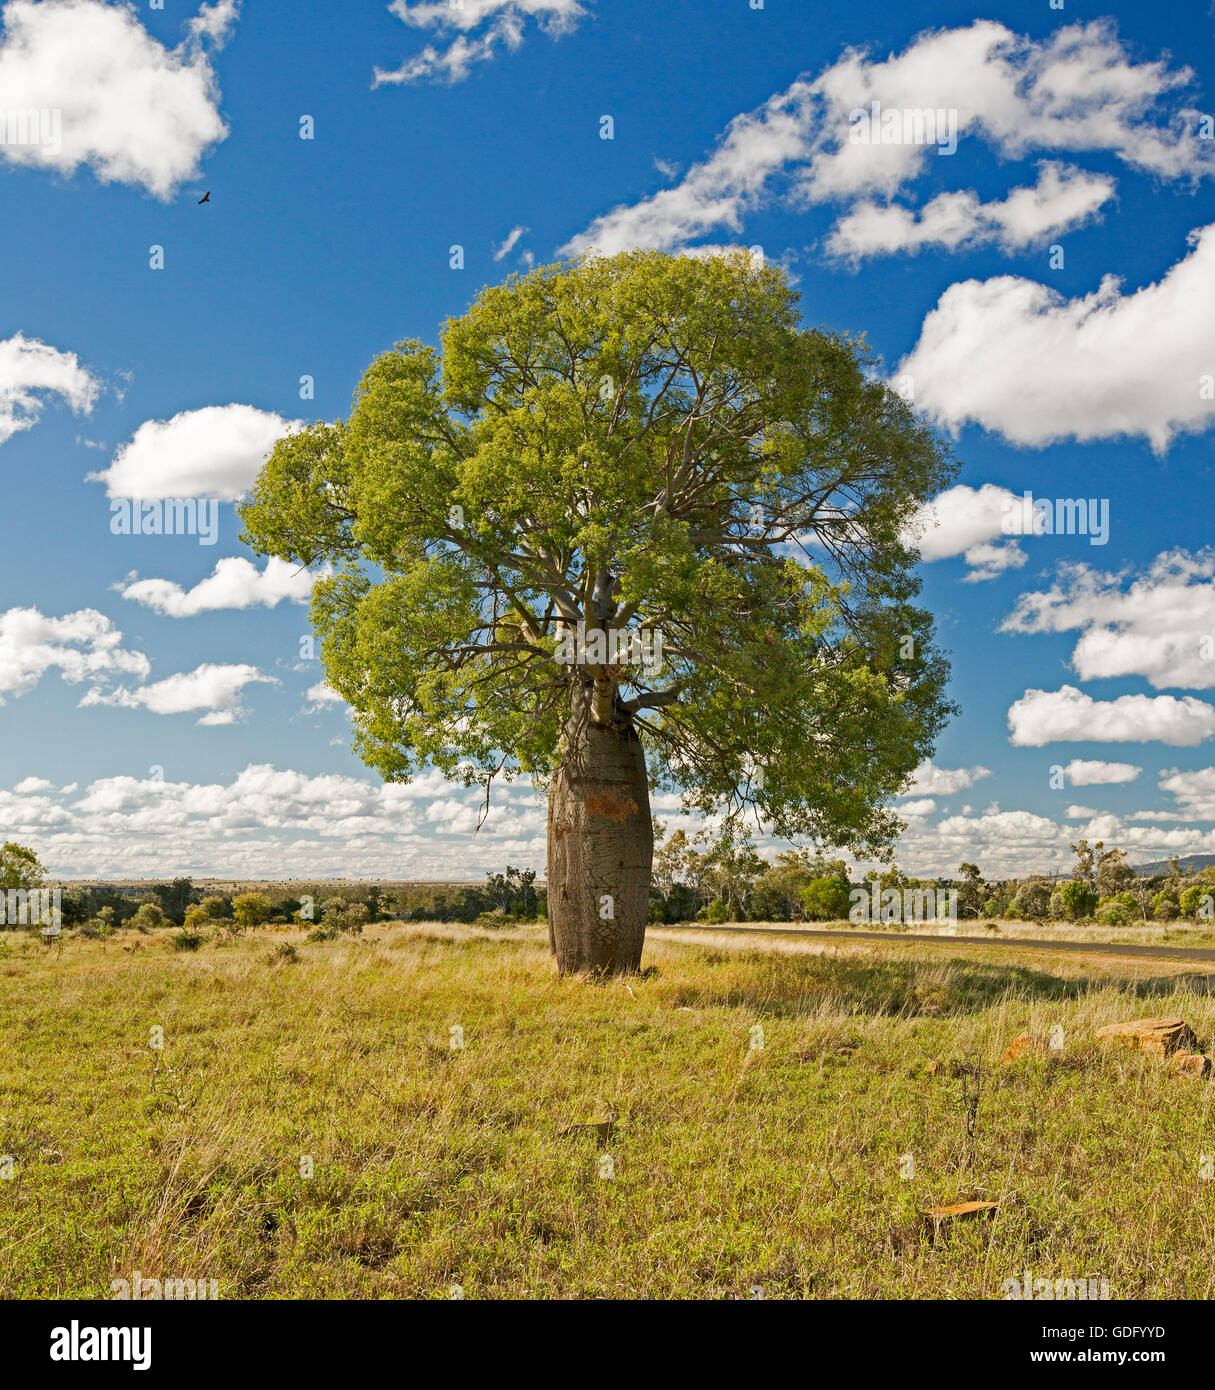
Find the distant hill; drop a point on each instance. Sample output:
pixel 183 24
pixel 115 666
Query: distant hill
pixel 1190 864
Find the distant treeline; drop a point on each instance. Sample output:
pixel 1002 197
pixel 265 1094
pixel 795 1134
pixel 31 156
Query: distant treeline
pixel 511 897
pixel 706 877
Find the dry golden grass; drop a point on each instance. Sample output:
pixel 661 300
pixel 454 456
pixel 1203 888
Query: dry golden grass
pixel 732 1166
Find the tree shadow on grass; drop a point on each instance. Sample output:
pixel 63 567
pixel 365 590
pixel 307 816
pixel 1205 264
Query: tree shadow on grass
pixel 1171 984
pixel 786 986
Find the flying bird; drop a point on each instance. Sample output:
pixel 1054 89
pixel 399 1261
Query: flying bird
pixel 206 197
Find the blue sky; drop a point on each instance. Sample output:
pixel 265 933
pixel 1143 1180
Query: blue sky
pixel 1081 129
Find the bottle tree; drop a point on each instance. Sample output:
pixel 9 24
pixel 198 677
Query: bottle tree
pixel 632 525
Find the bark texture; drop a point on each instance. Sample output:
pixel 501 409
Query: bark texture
pixel 600 842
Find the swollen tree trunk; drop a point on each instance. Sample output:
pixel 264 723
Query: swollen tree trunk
pixel 600 841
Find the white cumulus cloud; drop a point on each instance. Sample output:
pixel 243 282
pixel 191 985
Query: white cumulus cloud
pixel 81 646
pixel 234 583
pixel 1078 90
pixel 1193 791
pixel 29 372
pixel 930 780
pixel 1092 772
pixel 1063 198
pixel 269 822
pixel 130 109
pixel 1098 367
pixel 320 695
pixel 1069 715
pixel 1160 625
pixel 969 522
pixel 212 687
pixel 217 451
pixel 30 785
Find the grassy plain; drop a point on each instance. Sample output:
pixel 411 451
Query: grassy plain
pixel 732 1166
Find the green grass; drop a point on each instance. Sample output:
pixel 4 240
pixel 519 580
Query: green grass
pixel 733 1166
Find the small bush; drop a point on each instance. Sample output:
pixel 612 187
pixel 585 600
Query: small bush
pixel 337 915
pixel 186 939
pixel 148 918
pixel 1118 910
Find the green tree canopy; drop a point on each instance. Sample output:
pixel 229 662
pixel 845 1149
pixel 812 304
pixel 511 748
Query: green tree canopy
pixel 641 444
pixel 20 867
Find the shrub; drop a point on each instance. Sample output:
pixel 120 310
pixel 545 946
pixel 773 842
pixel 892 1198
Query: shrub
pixel 514 892
pixel 251 909
pixel 1164 907
pixel 1118 910
pixel 715 913
pixel 826 899
pixel 1033 898
pixel 658 910
pixel 186 939
pixel 338 915
pixel 1197 902
pixel 1079 900
pixel 354 918
pixel 77 907
pixel 148 917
